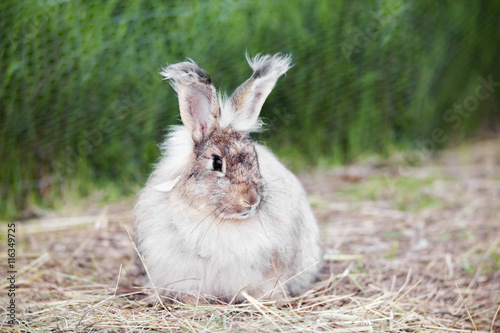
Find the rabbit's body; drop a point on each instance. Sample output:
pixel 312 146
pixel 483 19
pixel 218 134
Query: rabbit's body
pixel 220 213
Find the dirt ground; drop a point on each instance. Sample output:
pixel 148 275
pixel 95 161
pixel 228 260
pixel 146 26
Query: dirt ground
pixel 412 244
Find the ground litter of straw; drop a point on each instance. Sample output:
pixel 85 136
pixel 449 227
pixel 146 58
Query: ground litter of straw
pixel 407 249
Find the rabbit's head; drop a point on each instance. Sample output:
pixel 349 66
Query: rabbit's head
pixel 222 176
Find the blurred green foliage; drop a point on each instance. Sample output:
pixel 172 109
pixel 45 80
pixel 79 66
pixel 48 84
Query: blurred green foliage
pixel 82 105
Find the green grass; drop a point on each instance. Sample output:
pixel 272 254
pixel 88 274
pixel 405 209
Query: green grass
pixel 81 102
pixel 407 194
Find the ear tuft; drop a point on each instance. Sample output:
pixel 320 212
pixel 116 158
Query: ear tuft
pixel 265 65
pixel 185 73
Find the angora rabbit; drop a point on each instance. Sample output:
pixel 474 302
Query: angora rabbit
pixel 220 214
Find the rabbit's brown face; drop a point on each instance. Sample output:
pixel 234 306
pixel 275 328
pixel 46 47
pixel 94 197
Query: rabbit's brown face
pixel 226 176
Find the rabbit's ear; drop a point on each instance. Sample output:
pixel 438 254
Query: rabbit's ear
pixel 247 100
pixel 198 102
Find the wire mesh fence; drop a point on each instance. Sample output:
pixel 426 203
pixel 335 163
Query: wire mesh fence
pixel 82 103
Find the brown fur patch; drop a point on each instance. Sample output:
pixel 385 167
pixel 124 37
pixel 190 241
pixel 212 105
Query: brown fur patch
pixel 240 96
pixel 230 194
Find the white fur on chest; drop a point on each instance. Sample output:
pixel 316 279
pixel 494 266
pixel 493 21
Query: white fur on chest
pixel 209 256
pixel 226 242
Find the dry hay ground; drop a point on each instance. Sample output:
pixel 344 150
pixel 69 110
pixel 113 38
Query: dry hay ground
pixel 408 249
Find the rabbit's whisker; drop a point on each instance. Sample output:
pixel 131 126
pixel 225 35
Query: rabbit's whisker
pixel 283 191
pixel 213 222
pixel 203 219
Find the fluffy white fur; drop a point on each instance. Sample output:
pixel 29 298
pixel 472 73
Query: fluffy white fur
pixel 187 254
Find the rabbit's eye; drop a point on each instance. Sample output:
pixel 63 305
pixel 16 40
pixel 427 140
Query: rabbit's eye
pixel 217 163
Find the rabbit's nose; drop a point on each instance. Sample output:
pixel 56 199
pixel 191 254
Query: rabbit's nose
pixel 251 199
